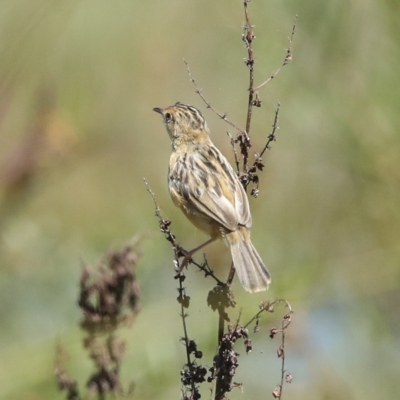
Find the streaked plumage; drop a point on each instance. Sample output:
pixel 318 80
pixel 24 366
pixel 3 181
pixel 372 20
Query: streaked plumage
pixel 205 187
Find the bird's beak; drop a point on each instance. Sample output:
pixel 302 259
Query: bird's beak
pixel 158 110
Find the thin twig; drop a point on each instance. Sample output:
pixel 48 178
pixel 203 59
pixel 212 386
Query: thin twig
pixel 271 136
pixel 234 151
pixel 286 320
pixel 184 302
pixel 207 103
pixel 231 275
pixel 251 174
pixel 281 351
pixel 264 307
pixel 248 38
pixel 286 60
pixel 184 315
pixel 179 251
pixel 192 374
pixel 153 197
pixel 219 394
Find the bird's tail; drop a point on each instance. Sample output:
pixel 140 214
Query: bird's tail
pixel 251 271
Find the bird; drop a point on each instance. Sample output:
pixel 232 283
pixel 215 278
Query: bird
pixel 203 184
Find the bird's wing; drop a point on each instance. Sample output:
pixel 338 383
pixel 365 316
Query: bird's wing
pixel 209 186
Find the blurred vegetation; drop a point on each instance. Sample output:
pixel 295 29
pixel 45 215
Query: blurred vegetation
pixel 78 81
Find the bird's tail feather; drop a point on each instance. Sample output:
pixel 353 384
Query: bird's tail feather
pixel 251 271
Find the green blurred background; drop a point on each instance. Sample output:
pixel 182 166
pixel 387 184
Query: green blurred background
pixel 78 81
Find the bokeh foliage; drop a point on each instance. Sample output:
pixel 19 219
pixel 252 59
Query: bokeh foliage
pixel 78 81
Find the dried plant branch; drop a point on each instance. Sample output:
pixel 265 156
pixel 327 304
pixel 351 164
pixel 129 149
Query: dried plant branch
pixel 231 275
pixel 226 361
pixel 281 353
pixel 271 136
pixel 253 99
pixel 192 373
pixel 220 298
pixel 286 60
pixel 265 306
pixel 207 103
pixel 248 174
pixel 64 381
pixel 179 251
pixel 286 321
pixel 242 137
pixel 251 175
pixel 234 151
pixel 248 36
pixel 109 299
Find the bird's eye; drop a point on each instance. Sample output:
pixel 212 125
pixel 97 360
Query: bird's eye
pixel 168 117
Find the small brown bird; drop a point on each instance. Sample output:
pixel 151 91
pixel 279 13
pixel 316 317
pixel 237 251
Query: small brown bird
pixel 205 187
